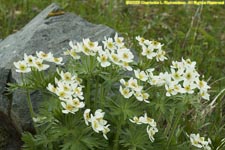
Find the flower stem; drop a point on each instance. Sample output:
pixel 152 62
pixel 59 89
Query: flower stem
pixel 102 102
pixel 96 93
pixel 28 99
pixel 116 140
pixel 30 104
pixel 88 100
pixel 173 129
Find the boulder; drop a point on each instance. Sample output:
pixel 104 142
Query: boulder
pixel 49 31
pixel 9 133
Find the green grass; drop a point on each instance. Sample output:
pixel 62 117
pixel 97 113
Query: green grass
pixel 187 31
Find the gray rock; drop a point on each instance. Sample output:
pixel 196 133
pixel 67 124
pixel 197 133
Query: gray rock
pixel 48 33
pixel 9 133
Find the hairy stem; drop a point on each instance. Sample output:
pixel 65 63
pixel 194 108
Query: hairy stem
pixel 116 140
pixel 96 93
pixel 88 95
pixel 102 102
pixel 28 99
pixel 30 104
pixel 174 127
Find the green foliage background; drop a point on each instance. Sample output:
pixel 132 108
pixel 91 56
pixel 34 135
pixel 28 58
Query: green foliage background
pixel 195 32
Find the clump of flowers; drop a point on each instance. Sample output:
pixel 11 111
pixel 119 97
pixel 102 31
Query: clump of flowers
pixel 182 79
pixel 36 62
pixel 113 52
pixel 151 49
pixel 98 124
pixel 151 125
pixel 200 142
pixel 92 84
pixel 69 90
pixel 131 87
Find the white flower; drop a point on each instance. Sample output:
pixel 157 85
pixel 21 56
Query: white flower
pixel 165 77
pixel 135 120
pixel 200 142
pixel 150 72
pixel 195 140
pixel 74 46
pixel 51 88
pixel 78 92
pixel 65 86
pixel 126 66
pixel 189 87
pixel 21 66
pixel 141 96
pixel 62 93
pixel 189 64
pixel 99 114
pixel 69 108
pixel 29 59
pixel 161 55
pixel 44 56
pixel 86 50
pixel 126 92
pixel 74 51
pixel 67 76
pixel 148 52
pixel 76 102
pixel 147 120
pixel 202 85
pixel 123 82
pixel 204 94
pixel 178 89
pixel 151 125
pixel 114 58
pixel 56 60
pixel 125 55
pixel 155 80
pixel 105 131
pixel 156 45
pixel 141 75
pixel 177 65
pixel 190 75
pixel 74 54
pixel 173 88
pixel 177 75
pixel 96 126
pixel 151 132
pixel 103 59
pixel 38 64
pixel 87 117
pixel 109 44
pixel 141 40
pixel 118 41
pixel 132 83
pixel 91 45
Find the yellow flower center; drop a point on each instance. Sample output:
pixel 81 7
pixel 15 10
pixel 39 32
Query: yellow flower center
pixel 110 45
pixel 125 56
pixel 115 58
pixel 103 58
pixel 155 43
pixel 22 67
pixel 56 59
pixel 62 94
pixel 44 55
pixel 91 44
pixel 69 107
